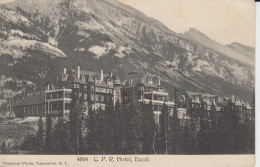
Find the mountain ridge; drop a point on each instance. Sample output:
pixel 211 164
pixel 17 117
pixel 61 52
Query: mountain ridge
pixel 98 34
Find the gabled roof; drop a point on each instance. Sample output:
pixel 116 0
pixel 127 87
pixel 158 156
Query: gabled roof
pixel 238 103
pixel 248 107
pixel 32 100
pixel 191 94
pixel 142 79
pixel 196 100
pixel 84 72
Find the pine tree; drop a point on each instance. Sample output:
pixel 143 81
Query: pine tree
pixel 133 131
pixel 75 124
pixel 100 133
pixel 118 129
pixel 175 133
pixel 49 134
pixel 214 130
pixel 92 130
pixel 163 134
pixel 148 128
pixel 110 122
pixel 61 137
pixel 40 135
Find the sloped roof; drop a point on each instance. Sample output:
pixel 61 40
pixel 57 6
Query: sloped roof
pixel 196 100
pixel 32 100
pixel 238 103
pixel 248 107
pixel 191 94
pixel 84 72
pixel 142 79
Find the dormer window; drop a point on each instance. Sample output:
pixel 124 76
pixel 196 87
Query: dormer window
pixel 109 82
pixel 83 78
pixel 64 77
pixel 117 81
pixel 130 81
pixel 150 81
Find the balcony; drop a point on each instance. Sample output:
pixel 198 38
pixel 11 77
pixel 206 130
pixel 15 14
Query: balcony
pixel 159 92
pixel 157 102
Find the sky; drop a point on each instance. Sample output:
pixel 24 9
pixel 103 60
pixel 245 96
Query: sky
pixel 225 21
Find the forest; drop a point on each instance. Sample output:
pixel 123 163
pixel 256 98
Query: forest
pixel 131 129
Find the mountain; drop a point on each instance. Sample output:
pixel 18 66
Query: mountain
pixel 40 37
pixel 238 54
pixel 243 49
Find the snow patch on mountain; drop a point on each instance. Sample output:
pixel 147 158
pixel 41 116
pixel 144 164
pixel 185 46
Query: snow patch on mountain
pixel 98 51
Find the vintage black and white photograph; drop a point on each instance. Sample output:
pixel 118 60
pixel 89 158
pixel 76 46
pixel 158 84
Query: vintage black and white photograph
pixel 127 77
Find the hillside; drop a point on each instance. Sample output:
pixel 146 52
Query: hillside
pixel 40 37
pixel 243 49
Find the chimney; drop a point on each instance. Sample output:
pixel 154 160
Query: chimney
pixel 101 75
pixel 111 74
pixel 64 71
pixel 48 86
pixel 159 82
pixel 78 71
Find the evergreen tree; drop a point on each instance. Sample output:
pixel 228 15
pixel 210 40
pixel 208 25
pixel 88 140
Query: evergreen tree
pixel 110 122
pixel 3 147
pixel 91 130
pixel 214 128
pixel 75 124
pixel 118 129
pixel 163 134
pixel 148 128
pixel 101 131
pixel 40 135
pixel 49 134
pixel 175 133
pixel 133 132
pixel 61 137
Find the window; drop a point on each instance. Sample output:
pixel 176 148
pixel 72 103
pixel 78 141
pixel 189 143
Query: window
pixel 92 96
pixel 54 95
pixel 68 95
pixel 85 96
pixel 33 109
pixel 92 88
pixel 80 94
pixel 85 87
pixel 150 81
pixel 103 90
pixel 117 82
pixel 64 77
pixel 67 106
pixel 54 107
pixel 29 110
pixel 25 110
pixel 97 97
pixel 48 96
pixel 37 109
pixel 102 98
pixel 126 99
pixel 60 95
